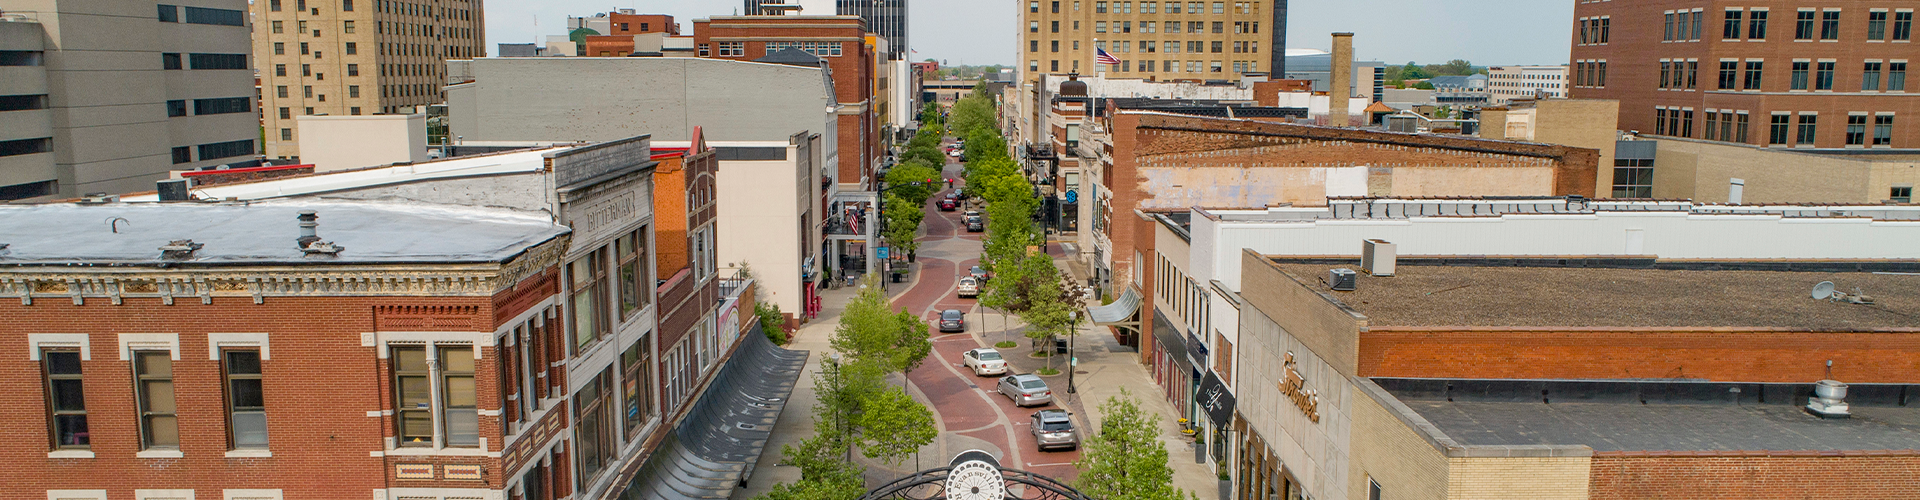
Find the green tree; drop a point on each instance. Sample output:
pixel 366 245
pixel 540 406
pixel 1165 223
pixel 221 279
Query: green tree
pixel 870 333
pixel 1456 67
pixel 970 114
pixel 1125 461
pixel 894 426
pixel 1413 72
pixel 913 181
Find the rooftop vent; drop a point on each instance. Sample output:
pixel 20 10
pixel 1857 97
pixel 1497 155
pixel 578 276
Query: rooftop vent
pixel 1825 290
pixel 174 189
pixel 1829 400
pixel 98 199
pixel 179 249
pixel 1342 279
pixel 1377 258
pixel 309 240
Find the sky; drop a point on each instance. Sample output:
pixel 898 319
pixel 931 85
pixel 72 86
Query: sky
pixel 979 32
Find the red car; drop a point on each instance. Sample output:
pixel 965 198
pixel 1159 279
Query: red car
pixel 949 205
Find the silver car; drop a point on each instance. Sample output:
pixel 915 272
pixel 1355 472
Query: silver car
pixel 1054 429
pixel 985 361
pixel 1025 390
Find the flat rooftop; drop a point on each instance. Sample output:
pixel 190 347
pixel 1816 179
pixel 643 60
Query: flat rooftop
pixel 1746 425
pixel 264 233
pixel 1465 296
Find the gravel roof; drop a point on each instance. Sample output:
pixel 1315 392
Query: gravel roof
pixel 1601 297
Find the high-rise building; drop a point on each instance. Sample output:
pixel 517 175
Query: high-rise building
pixel 887 18
pixel 109 95
pixel 1210 40
pixel 1826 76
pixel 383 56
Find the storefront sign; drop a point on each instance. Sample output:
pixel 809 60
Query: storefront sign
pixel 1296 389
pixel 1214 398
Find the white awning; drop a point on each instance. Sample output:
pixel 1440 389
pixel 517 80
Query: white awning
pixel 1120 312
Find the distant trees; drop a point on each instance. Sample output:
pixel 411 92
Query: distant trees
pixel 1398 75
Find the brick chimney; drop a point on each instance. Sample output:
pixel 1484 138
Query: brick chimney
pixel 1341 88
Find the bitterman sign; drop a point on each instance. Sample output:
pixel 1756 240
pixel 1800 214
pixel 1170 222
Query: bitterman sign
pixel 1296 389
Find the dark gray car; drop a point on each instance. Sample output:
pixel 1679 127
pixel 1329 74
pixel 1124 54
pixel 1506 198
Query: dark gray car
pixel 952 321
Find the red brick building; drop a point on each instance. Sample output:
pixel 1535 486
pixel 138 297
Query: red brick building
pixel 845 45
pixel 1767 73
pixel 219 357
pixel 618 41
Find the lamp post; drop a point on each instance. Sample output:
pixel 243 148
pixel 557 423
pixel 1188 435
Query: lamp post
pixel 880 219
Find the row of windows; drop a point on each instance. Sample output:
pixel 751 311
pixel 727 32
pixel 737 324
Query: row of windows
pixel 1875 75
pixel 1590 73
pixel 22 58
pixel 1167 66
pixel 1033 6
pixel 202 15
pixel 410 29
pixel 23 102
pixel 1751 25
pixel 1595 30
pixel 215 106
pixel 818 49
pixel 155 405
pixel 26 146
pixel 1784 128
pixel 172 60
pixel 1149 47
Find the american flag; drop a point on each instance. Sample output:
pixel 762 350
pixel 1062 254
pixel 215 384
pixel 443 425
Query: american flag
pixel 1102 57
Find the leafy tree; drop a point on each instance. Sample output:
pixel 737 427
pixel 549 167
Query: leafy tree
pixel 1125 461
pixel 1423 86
pixel 913 181
pixel 903 223
pixel 824 473
pixel 1456 67
pixel 1412 72
pixel 772 321
pixel 970 114
pixel 870 333
pixel 895 426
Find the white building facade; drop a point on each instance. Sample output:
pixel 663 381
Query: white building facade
pixel 1516 82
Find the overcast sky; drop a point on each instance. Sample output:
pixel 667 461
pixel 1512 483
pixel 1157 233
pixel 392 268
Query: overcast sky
pixel 1487 32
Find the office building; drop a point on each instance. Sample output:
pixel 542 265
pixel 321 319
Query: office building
pixel 355 57
pixel 886 18
pixel 107 96
pixel 841 44
pixel 1825 76
pixel 1210 40
pixel 1507 83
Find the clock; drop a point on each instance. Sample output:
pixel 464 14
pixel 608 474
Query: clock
pixel 976 480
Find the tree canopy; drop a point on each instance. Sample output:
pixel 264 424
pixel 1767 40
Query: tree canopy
pixel 1125 460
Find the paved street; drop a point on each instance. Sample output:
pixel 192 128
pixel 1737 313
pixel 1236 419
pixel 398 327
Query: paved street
pixel 969 413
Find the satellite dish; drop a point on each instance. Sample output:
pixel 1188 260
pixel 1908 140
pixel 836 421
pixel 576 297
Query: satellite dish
pixel 1823 290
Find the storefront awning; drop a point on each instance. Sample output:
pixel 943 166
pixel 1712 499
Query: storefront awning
pixel 714 448
pixel 1119 313
pixel 1171 341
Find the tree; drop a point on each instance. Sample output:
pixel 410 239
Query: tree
pixel 869 333
pixel 914 180
pixel 1456 67
pixel 970 114
pixel 1125 461
pixel 895 426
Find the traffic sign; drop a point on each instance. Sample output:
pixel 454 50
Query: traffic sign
pixel 1073 196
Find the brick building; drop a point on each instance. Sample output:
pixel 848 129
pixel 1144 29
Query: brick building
pixel 618 40
pixel 1776 74
pixel 218 360
pixel 854 65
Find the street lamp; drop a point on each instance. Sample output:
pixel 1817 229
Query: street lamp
pixel 880 213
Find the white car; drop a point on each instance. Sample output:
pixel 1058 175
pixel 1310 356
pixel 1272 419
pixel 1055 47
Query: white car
pixel 985 362
pixel 954 153
pixel 969 287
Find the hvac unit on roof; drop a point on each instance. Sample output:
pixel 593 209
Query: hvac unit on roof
pixel 1377 258
pixel 1342 279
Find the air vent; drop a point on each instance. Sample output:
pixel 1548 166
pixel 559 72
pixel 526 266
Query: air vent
pixel 1342 279
pixel 1829 400
pixel 179 249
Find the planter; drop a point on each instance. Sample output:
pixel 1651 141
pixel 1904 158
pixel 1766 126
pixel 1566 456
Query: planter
pixel 1226 489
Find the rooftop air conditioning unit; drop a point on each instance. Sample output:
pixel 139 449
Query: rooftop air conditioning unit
pixel 1341 280
pixel 1377 258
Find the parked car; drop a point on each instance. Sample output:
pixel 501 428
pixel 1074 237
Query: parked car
pixel 949 205
pixel 1025 390
pixel 952 321
pixel 1054 429
pixel 969 288
pixel 975 226
pixel 984 361
pixel 978 273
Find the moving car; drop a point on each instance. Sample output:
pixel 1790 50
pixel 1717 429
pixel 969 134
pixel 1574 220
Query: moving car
pixel 949 205
pixel 977 273
pixel 952 321
pixel 969 288
pixel 954 153
pixel 1054 429
pixel 1025 390
pixel 974 226
pixel 984 361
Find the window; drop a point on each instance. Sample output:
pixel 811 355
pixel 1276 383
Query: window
pixel 1699 17
pixel 153 390
pixel 1803 25
pixel 1098 27
pixel 286 134
pixel 1667 31
pixel 1373 489
pixel 222 17
pixel 1055 65
pixel 226 149
pixel 353 70
pixel 1901 194
pixel 1823 76
pixel 1897 76
pixel 1686 123
pixel 1056 26
pixel 279 70
pixel 286 113
pixel 1830 25
pixel 1752 80
pixel 1099 7
pixel 1033 7
pixel 176 108
pixel 1729 74
pixel 1877 25
pixel 1740 127
pixel 306 91
pixel 1730 25
pixel 733 49
pixel 276 27
pixel 246 404
pixel 303 49
pixel 1856 130
pixel 1693 72
pixel 1757 25
pixel 354 111
pixel 169 13
pixel 1217 47
pixel 1219 7
pixel 634 276
pixel 25 146
pixel 1033 26
pixel 1173 7
pixel 66 399
pixel 1803 136
pixel 170 60
pixel 217 61
pixel 353 91
pixel 1219 27
pixel 1055 45
pixel 1870 76
pixel 636 380
pixel 353 48
pixel 593 426
pixel 279 48
pixel 1777 130
pixel 587 305
pixel 346 5
pixel 274 5
pixel 1632 178
pixel 182 154
pixel 1883 130
pixel 281 91
pixel 1800 74
pixel 1903 25
pixel 417 377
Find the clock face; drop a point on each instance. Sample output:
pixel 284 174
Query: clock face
pixel 976 480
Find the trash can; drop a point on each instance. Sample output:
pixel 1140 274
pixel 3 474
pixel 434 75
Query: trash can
pixel 1060 345
pixel 897 275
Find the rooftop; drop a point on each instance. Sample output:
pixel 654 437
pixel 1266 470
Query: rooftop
pixel 1480 413
pixel 1464 296
pixel 264 233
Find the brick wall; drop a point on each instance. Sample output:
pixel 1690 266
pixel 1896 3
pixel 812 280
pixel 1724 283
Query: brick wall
pixel 1713 354
pixel 1518 478
pixel 1757 475
pixel 319 385
pixel 1387 451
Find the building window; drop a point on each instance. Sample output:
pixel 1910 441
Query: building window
pixel 353 48
pixel 1897 76
pixel 1777 130
pixel 1808 125
pixel 706 50
pixel 1754 72
pixel 153 390
pixel 1803 25
pixel 279 48
pixel 182 154
pixel 588 298
pixel 417 378
pixel 176 108
pixel 1033 7
pixel 346 5
pixel 1373 489
pixel 1870 76
pixel 226 149
pixel 1823 76
pixel 733 49
pixel 279 70
pixel 217 61
pixel 222 105
pixel 66 399
pixel 306 91
pixel 634 275
pixel 1877 25
pixel 1856 130
pixel 170 60
pixel 354 111
pixel 1729 74
pixel 1800 69
pixel 345 27
pixel 1901 194
pixel 1740 128
pixel 1730 25
pixel 1830 25
pixel 637 385
pixel 593 426
pixel 1099 7
pixel 1757 25
pixel 281 91
pixel 353 70
pixel 286 113
pixel 1056 27
pixel 353 91
pixel 1632 178
pixel 1033 26
pixel 286 134
pixel 1883 130
pixel 246 404
pixel 304 49
pixel 221 17
pixel 274 5
pixel 1903 25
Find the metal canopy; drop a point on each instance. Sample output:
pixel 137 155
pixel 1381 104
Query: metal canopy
pixel 713 450
pixel 1120 313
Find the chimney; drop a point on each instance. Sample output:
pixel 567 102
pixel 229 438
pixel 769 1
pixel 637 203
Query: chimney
pixel 1277 46
pixel 309 240
pixel 1341 88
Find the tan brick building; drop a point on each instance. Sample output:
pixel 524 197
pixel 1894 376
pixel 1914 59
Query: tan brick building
pixel 1208 40
pixel 354 57
pixel 1772 73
